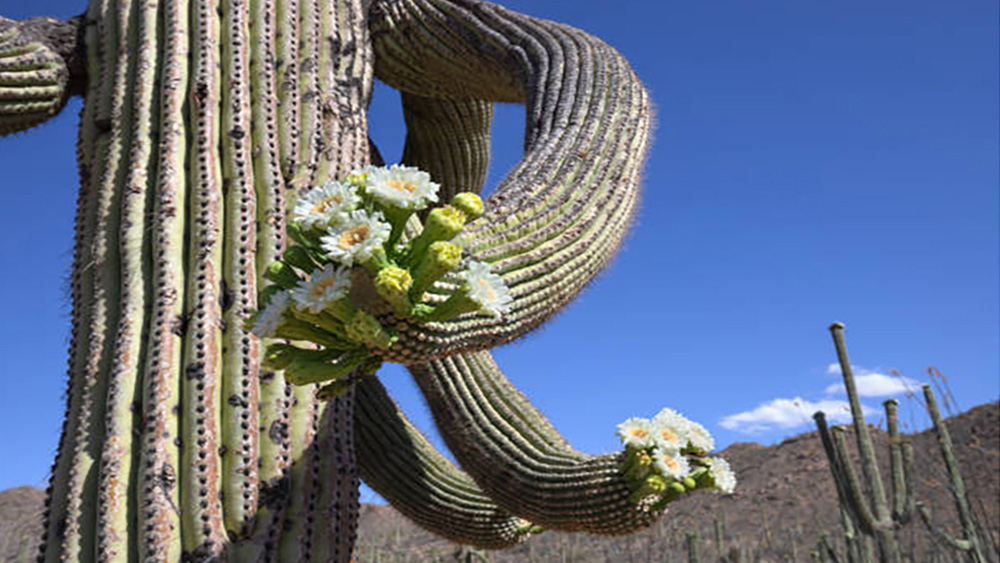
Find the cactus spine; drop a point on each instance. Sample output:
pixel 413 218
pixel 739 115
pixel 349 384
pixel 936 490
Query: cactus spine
pixel 203 121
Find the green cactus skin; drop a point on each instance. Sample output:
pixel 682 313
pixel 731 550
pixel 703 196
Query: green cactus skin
pixel 970 543
pixel 876 520
pixel 38 58
pixel 518 458
pixel 397 461
pixel 203 120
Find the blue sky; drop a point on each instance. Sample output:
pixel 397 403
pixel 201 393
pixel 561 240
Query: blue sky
pixel 812 162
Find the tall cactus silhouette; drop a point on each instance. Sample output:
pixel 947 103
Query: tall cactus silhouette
pixel 204 121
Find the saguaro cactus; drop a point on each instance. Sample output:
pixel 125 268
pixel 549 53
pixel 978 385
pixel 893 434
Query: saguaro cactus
pixel 874 520
pixel 203 122
pixel 877 520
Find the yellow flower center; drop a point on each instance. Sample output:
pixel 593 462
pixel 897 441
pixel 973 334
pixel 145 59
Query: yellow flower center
pixel 668 435
pixel 401 186
pixel 638 433
pixel 489 290
pixel 355 236
pixel 671 463
pixel 320 287
pixel 322 205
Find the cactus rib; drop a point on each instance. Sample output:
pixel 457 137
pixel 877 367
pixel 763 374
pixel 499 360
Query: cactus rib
pixel 515 455
pixel 450 140
pixel 398 462
pixel 562 212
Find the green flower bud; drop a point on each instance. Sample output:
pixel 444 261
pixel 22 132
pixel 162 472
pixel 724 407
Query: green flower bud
pixel 677 488
pixel 282 274
pixel 689 483
pixel 441 258
pixel 638 464
pixel 366 329
pixel 393 284
pixel 652 485
pixel 470 204
pixel 443 223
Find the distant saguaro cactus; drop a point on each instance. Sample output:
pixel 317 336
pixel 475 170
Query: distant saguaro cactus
pixel 861 521
pixel 204 121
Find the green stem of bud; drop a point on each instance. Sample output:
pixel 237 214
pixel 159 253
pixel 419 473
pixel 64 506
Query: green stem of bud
pixel 397 218
pixel 377 262
pixel 458 304
pixel 295 329
pixel 280 355
pixel 302 371
pixel 282 275
pixel 443 223
pixel 298 257
pixel 441 258
pixel 326 322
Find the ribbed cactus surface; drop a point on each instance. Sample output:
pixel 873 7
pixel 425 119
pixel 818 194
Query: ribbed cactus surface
pixel 203 122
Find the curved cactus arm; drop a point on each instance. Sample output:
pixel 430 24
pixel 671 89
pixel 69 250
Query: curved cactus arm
pixel 560 215
pixel 518 458
pixel 940 535
pixel 450 140
pixel 41 65
pixel 398 462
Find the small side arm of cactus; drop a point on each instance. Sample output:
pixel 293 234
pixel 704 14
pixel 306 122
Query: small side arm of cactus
pixel 41 65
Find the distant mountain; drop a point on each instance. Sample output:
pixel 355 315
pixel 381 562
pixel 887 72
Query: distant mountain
pixel 784 501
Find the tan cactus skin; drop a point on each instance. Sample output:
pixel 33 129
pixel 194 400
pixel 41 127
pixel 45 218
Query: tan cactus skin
pixel 203 120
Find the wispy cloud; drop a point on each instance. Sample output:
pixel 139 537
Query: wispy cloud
pixel 871 383
pixel 783 414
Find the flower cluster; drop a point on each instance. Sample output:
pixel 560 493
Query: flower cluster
pixel 667 456
pixel 351 232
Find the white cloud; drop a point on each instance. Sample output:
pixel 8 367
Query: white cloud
pixel 783 414
pixel 872 383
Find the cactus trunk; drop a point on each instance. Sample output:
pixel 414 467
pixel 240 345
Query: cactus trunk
pixel 203 121
pixel 182 201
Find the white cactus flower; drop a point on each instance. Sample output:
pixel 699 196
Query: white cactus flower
pixel 486 289
pixel 671 464
pixel 356 238
pixel 699 437
pixel 399 186
pixel 636 433
pixel 722 474
pixel 325 206
pixel 323 288
pixel 269 318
